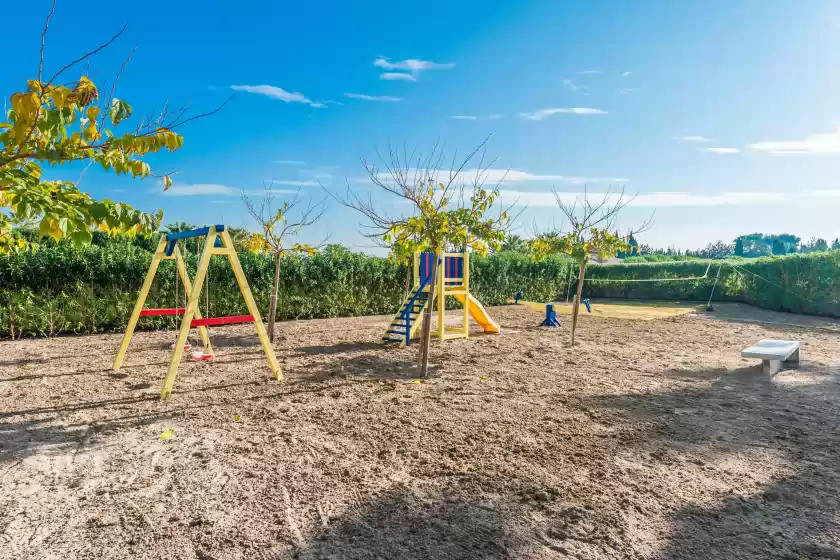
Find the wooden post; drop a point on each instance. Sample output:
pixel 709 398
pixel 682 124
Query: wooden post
pixel 427 322
pixel 441 298
pixel 138 305
pixel 569 285
pixel 273 364
pixel 466 293
pixel 576 307
pixel 272 306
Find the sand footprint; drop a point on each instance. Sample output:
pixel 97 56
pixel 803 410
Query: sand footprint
pixel 219 483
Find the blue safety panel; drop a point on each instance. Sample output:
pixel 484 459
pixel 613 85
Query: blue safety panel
pixel 426 260
pixel 454 267
pixel 172 238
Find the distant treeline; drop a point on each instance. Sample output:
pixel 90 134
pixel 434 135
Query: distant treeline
pixel 749 246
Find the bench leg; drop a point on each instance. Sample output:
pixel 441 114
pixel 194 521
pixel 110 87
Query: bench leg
pixel 793 360
pixel 771 366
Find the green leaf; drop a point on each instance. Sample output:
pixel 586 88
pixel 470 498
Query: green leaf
pixel 119 111
pixel 81 238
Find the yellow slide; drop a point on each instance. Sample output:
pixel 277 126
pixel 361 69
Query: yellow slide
pixel 479 314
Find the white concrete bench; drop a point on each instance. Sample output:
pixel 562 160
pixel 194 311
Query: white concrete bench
pixel 772 353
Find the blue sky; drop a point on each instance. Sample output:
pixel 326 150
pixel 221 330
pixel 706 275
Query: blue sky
pixel 723 115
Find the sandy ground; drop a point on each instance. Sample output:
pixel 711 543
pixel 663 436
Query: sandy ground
pixel 648 440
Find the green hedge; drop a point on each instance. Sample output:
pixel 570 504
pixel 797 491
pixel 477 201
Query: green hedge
pixel 59 289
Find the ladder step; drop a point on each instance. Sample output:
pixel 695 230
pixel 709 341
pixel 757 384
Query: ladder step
pixel 392 331
pixel 390 339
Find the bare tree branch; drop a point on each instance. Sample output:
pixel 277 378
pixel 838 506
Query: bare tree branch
pixel 44 41
pixel 86 55
pixel 276 231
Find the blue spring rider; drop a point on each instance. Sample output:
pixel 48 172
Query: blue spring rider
pixel 550 314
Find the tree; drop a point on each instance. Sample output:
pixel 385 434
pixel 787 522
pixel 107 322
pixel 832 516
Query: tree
pixel 179 227
pixel 756 245
pixel 240 237
pixel 589 235
pixel 820 245
pixel 634 245
pixel 816 244
pixel 448 211
pixel 514 243
pixel 835 245
pixel 60 121
pixel 632 248
pixel 790 241
pixel 779 248
pixel 275 219
pixel 739 247
pixel 717 250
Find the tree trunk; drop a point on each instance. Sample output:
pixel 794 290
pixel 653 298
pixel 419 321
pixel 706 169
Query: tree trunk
pixel 576 307
pixel 407 282
pixel 272 306
pixel 427 322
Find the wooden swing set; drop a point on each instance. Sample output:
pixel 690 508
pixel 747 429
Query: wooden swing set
pixel 217 241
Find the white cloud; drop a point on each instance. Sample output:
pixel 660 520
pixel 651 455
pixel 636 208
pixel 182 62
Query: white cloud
pixel 720 150
pixel 289 162
pixel 517 176
pixel 281 94
pixel 826 143
pixel 413 65
pixel 587 72
pixel 398 76
pixel 625 74
pixel 625 91
pixel 201 189
pixel 692 139
pixel 491 176
pixel 672 199
pixel 365 97
pixel 540 114
pixel 570 84
pixel 295 183
pixel 490 117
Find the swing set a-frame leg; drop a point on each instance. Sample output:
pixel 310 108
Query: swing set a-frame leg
pixel 230 251
pixel 141 301
pixel 189 314
pixel 182 272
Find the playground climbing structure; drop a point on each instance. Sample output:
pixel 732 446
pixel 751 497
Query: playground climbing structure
pixel 453 279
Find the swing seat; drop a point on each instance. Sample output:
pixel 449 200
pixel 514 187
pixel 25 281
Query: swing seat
pixel 187 346
pixel 215 321
pixel 165 311
pixel 200 356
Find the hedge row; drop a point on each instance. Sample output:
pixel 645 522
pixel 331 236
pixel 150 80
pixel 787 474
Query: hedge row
pixel 59 289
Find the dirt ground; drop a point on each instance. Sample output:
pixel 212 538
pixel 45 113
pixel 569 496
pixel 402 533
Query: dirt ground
pixel 650 439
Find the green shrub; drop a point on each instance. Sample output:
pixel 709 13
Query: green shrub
pixel 59 289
